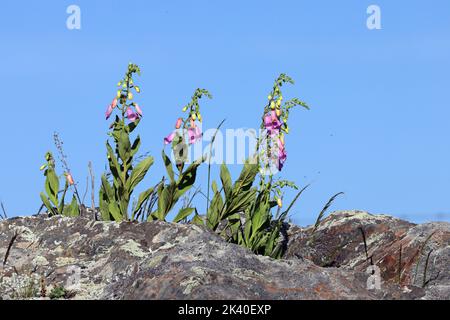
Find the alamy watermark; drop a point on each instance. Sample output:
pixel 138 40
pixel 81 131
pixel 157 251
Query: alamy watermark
pixel 374 20
pixel 232 146
pixel 73 21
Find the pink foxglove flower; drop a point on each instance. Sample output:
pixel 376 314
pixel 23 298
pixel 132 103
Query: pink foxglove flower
pixel 169 138
pixel 114 103
pixel 178 123
pixel 108 112
pixel 131 115
pixel 194 135
pixel 282 155
pixel 272 123
pixel 138 110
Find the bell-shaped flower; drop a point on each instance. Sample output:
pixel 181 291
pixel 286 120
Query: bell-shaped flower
pixel 131 115
pixel 282 155
pixel 169 138
pixel 138 110
pixel 272 123
pixel 114 103
pixel 108 112
pixel 194 134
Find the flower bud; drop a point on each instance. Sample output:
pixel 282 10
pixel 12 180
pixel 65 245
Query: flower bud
pixel 70 179
pixel 178 123
pixel 130 96
pixel 43 167
pixel 114 103
pixel 137 89
pixel 279 202
pixel 278 112
pixel 272 105
pixel 193 116
pixel 119 93
pixel 199 116
pixel 269 97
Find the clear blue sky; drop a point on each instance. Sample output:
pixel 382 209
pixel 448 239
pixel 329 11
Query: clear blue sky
pixel 379 125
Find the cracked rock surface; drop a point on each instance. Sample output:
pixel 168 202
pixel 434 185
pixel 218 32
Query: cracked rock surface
pixel 160 260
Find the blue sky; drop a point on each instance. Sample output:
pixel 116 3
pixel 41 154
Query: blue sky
pixel 379 124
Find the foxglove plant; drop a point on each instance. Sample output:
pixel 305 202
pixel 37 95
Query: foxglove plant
pixel 115 196
pixel 51 200
pixel 246 210
pixel 187 131
pixel 262 228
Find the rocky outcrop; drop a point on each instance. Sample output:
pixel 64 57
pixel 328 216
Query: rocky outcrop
pixel 405 253
pixel 158 260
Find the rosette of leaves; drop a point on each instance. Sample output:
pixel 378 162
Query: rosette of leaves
pixel 261 229
pixel 52 201
pixel 242 214
pixel 115 195
pixel 236 198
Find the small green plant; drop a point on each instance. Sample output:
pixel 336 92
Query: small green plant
pixel 187 132
pixel 115 196
pixel 58 292
pixel 51 200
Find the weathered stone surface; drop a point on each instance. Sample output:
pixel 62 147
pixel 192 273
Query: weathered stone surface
pixel 158 260
pixel 338 242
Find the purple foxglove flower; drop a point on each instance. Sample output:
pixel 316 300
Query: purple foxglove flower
pixel 108 112
pixel 282 156
pixel 138 110
pixel 194 134
pixel 169 138
pixel 114 103
pixel 272 124
pixel 132 116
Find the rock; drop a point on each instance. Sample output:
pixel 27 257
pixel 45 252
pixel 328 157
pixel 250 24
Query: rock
pixel 338 242
pixel 159 260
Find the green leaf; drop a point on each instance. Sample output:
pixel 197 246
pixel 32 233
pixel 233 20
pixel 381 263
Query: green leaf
pixel 241 201
pixel 115 211
pixel 213 215
pixel 141 199
pixel 103 205
pixel 166 200
pixel 52 186
pixel 139 173
pixel 225 177
pixel 124 146
pixel 72 210
pixel 246 178
pixel 113 163
pixel 135 146
pixel 197 220
pixel 183 214
pixel 187 178
pixel 132 125
pixel 108 191
pixel 61 202
pixel 169 167
pixel 47 204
